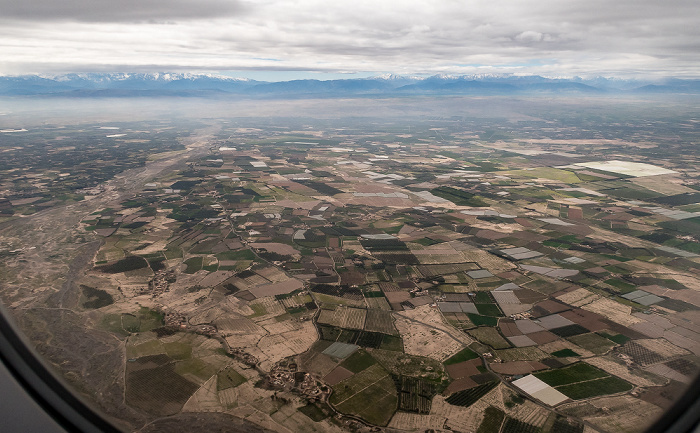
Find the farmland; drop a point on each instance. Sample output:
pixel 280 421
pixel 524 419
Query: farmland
pixel 470 396
pixel 312 274
pixel 576 373
pixel 593 388
pixel 370 394
pixel 580 381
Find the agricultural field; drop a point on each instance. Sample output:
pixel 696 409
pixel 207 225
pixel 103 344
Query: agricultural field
pixel 399 271
pixel 468 397
pixel 580 381
pixel 154 386
pixel 490 337
pixel 415 395
pixel 370 394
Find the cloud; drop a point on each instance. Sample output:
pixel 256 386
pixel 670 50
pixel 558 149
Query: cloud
pixel 529 36
pixel 575 37
pixel 117 10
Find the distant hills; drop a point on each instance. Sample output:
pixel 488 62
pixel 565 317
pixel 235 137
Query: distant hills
pixel 209 85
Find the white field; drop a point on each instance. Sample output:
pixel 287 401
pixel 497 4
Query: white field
pixel 636 169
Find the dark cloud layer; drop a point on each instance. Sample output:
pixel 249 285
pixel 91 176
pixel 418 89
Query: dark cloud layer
pixel 117 10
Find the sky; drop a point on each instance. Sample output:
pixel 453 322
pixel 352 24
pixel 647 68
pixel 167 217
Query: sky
pixel 282 40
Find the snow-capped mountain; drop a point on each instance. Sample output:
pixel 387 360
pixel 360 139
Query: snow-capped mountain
pixel 204 84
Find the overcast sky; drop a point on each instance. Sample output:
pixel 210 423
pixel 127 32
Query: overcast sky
pixel 332 38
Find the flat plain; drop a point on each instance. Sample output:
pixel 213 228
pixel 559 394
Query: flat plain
pixel 341 273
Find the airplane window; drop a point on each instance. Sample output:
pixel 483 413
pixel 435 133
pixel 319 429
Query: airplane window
pixel 301 217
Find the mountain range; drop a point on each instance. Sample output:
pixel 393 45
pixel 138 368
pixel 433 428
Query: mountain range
pixel 210 85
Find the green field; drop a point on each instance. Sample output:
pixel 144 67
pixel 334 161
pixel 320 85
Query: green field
pixel 370 394
pixel 483 298
pixel 178 351
pixel 490 310
pixel 131 323
pixel 358 361
pixel 194 264
pixel 113 323
pixel 548 173
pixel 569 330
pixel 622 286
pixel 478 320
pixel 490 336
pixel 95 298
pixel 153 347
pixel 463 355
pixel 564 353
pixel 229 378
pixel 316 411
pixel 593 342
pixel 236 255
pixel 158 390
pixel 130 263
pixel 593 388
pixel 426 241
pixel 458 196
pixel 258 310
pixel 150 319
pixel 142 321
pixel 617 338
pixel 493 419
pixel 195 367
pixel 572 374
pixel 390 342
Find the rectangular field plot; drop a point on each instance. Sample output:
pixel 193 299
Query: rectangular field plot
pixel 493 420
pixel 229 378
pixel 374 340
pixel 340 350
pixel 378 303
pixel 432 270
pixel 505 297
pixel 463 355
pixel 593 342
pixel 371 339
pixel 594 388
pixel 470 396
pixel 635 169
pixel 326 317
pixel 343 317
pixel 575 373
pixel 580 381
pixel 478 320
pixel 490 336
pixel 490 310
pixel 379 321
pixel 554 321
pixel 358 361
pixel 569 331
pixel 513 425
pixel 370 394
pixel 521 354
pixel 449 307
pixel 355 318
pixel 415 395
pixel 540 390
